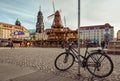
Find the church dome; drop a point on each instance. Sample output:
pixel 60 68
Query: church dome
pixel 17 23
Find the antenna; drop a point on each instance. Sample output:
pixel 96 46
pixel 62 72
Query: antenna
pixel 53 6
pixel 65 21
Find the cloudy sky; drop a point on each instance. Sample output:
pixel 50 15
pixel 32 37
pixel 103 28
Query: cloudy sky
pixel 93 12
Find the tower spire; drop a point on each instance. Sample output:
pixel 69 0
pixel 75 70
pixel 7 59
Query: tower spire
pixel 17 19
pixel 39 8
pixel 40 23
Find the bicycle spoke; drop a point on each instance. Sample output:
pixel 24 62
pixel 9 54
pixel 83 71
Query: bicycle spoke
pixel 95 69
pixel 92 65
pixel 64 61
pixel 94 59
pixel 98 59
pixel 101 60
pixel 99 65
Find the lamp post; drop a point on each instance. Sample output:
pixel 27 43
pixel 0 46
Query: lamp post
pixel 94 36
pixel 78 37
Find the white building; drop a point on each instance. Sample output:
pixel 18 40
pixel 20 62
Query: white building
pixel 97 33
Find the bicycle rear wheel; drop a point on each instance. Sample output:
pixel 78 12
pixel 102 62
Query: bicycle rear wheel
pixel 100 65
pixel 64 61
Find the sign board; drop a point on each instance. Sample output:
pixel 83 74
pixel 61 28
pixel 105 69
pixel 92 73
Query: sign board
pixel 17 33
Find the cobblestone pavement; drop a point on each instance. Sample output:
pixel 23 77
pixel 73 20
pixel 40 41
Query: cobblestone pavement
pixel 42 59
pixel 8 71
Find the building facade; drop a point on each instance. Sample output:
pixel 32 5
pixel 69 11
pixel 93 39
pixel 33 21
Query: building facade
pixel 39 24
pixel 58 34
pixel 8 31
pixel 97 33
pixel 61 34
pixel 118 35
pixel 39 34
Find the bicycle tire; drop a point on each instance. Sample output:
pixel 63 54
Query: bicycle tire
pixel 64 58
pixel 101 63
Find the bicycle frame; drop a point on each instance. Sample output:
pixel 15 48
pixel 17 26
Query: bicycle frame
pixel 72 50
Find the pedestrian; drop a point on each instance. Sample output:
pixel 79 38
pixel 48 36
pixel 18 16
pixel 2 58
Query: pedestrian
pixel 102 44
pixel 0 43
pixel 62 44
pixel 10 43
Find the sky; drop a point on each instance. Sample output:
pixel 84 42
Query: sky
pixel 92 12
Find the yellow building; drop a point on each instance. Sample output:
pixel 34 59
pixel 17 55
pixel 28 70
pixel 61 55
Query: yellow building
pixel 7 30
pixel 118 35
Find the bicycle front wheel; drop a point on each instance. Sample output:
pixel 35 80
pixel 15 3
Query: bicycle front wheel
pixel 100 65
pixel 64 61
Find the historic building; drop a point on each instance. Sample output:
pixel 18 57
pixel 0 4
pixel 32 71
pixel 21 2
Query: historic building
pixel 17 22
pixel 58 33
pixel 39 24
pixel 39 34
pixel 118 35
pixel 13 31
pixel 97 33
pixel 61 34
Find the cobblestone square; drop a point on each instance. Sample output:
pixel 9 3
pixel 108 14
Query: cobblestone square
pixel 42 59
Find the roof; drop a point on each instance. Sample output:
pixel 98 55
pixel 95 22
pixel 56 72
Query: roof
pixel 11 25
pixel 100 26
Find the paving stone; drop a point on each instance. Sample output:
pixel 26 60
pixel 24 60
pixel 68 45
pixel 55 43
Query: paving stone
pixel 43 59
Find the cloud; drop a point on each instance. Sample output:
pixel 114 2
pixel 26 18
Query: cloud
pixel 95 12
pixel 69 10
pixel 101 11
pixel 10 12
pixel 92 12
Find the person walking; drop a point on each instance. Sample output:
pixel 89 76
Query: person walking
pixel 10 43
pixel 62 44
pixel 102 44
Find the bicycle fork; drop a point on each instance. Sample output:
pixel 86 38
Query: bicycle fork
pixel 66 58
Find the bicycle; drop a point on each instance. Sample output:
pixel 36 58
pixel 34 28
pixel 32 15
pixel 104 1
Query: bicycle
pixel 97 62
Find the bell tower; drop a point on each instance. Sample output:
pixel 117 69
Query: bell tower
pixel 39 24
